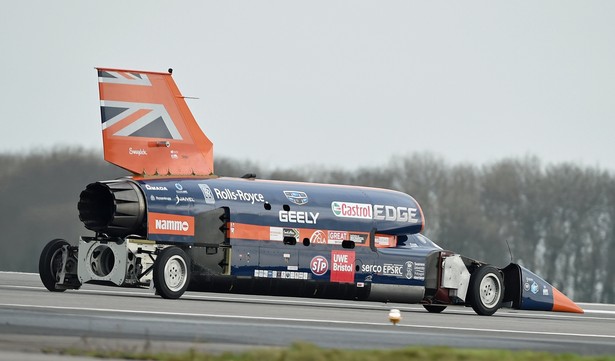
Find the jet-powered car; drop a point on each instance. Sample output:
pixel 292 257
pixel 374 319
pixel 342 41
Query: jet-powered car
pixel 174 225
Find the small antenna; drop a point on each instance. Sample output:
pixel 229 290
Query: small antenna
pixel 509 251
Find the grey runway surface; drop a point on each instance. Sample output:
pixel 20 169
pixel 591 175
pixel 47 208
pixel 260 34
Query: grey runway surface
pixel 31 318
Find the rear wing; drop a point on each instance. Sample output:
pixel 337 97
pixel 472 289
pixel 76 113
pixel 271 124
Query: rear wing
pixel 147 126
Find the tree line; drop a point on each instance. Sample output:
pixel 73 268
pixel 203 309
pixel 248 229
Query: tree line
pixel 557 219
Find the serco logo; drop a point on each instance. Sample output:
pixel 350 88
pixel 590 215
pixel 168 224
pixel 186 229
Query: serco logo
pixel 319 265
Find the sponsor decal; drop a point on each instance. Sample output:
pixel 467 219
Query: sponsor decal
pixel 534 288
pixel 259 273
pixel 395 214
pixel 387 269
pixel 392 269
pixel 318 237
pixel 357 237
pixel 298 217
pixel 352 210
pixel 419 271
pixel 290 232
pixel 276 233
pixel 336 237
pixel 137 152
pixel 379 212
pixel 179 189
pixel 408 273
pixel 385 241
pixel 297 197
pixel 238 195
pixel 162 223
pixel 526 286
pixel 179 199
pixel 159 198
pixel 371 268
pixel 319 265
pixel 207 193
pixel 155 188
pixel 342 266
pixel 545 291
pixel 174 154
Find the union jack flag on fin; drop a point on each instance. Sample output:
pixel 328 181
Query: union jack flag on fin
pixel 156 123
pixel 123 77
pixel 147 126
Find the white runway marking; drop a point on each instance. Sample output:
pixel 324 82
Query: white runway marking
pixel 304 320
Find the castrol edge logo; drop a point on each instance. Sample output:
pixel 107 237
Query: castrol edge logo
pixel 352 210
pixel 377 211
pixel 162 223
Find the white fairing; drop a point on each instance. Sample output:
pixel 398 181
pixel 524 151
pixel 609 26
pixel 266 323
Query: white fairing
pixel 455 277
pixel 119 263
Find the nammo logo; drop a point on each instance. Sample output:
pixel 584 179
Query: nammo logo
pixel 162 223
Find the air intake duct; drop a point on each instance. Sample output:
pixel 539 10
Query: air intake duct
pixel 115 208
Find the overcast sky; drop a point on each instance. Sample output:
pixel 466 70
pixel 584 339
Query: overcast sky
pixel 339 83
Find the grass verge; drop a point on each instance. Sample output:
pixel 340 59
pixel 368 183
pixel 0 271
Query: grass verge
pixel 306 351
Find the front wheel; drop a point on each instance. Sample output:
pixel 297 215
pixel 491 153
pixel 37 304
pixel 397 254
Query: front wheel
pixel 51 262
pixel 171 272
pixel 486 290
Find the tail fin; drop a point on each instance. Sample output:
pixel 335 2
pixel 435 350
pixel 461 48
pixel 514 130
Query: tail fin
pixel 147 126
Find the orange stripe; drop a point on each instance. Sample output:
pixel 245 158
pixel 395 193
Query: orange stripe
pixel 264 233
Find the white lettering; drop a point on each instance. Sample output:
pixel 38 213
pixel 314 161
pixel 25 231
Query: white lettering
pixel 340 258
pixel 239 195
pixel 137 152
pixel 169 225
pixel 155 188
pixel 371 268
pixel 298 217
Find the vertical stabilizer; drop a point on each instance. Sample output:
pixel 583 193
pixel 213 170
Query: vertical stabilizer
pixel 147 126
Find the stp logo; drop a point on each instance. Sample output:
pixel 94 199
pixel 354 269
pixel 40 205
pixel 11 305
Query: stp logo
pixel 319 265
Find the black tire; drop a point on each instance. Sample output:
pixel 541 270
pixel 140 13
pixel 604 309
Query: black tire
pixel 50 264
pixel 486 290
pixel 434 308
pixel 171 272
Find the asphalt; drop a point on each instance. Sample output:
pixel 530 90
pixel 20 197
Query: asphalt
pixel 33 320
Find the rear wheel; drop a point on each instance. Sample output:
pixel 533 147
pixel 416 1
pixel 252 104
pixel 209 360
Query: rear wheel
pixel 434 308
pixel 171 272
pixel 51 262
pixel 486 290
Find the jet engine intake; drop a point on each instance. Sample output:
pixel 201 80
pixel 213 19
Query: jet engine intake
pixel 116 208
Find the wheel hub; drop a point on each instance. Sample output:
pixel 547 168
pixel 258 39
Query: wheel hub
pixel 490 289
pixel 175 273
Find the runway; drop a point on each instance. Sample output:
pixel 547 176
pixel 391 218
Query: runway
pixel 32 318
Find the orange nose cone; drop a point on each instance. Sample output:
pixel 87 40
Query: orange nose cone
pixel 561 303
